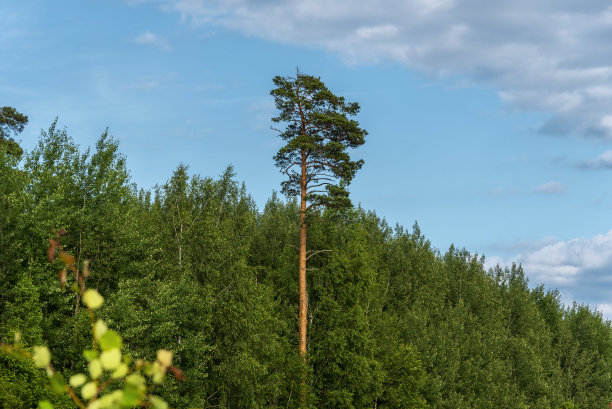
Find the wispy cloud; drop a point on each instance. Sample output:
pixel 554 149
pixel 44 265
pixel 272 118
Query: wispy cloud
pixel 603 161
pixel 554 187
pixel 549 57
pixel 153 40
pixel 15 23
pixel 259 114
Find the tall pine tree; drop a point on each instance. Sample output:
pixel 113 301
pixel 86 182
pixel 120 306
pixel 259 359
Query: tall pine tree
pixel 318 134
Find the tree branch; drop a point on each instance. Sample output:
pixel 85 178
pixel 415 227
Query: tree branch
pixel 319 185
pixel 317 252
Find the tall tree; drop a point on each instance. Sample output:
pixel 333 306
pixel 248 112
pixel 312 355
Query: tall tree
pixel 11 122
pixel 315 160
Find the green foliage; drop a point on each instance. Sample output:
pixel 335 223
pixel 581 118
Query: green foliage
pixel 11 123
pixel 195 268
pixel 318 133
pixel 105 363
pixel 22 385
pixel 22 313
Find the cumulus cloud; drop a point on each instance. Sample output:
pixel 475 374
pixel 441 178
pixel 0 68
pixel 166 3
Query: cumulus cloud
pixel 554 187
pixel 150 39
pixel 580 266
pixel 552 57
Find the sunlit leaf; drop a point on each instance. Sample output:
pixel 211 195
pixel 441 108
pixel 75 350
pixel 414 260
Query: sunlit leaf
pixel 97 404
pixel 93 299
pixel 95 369
pixel 136 380
pixel 89 390
pixel 120 372
pixel 164 357
pixel 157 402
pixel 110 340
pixel 90 354
pixel 100 329
pixel 45 404
pixel 111 359
pixel 77 380
pixel 41 356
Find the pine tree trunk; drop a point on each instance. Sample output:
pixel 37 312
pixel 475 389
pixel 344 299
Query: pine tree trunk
pixel 302 281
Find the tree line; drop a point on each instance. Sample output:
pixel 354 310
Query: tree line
pixel 194 267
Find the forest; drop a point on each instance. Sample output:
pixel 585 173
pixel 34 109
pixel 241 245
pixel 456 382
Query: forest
pixel 196 268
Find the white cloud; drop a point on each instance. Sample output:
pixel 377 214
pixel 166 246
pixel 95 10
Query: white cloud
pixel 580 266
pixel 554 187
pixel 605 309
pixel 552 57
pixel 148 38
pixel 606 122
pixel 386 31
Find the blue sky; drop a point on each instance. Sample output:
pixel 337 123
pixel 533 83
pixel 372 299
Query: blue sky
pixel 489 124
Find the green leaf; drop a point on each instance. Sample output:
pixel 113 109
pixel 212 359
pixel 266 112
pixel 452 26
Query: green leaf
pixel 111 359
pixel 90 354
pixel 100 329
pixel 77 380
pixel 157 402
pixel 110 340
pixel 89 390
pixel 95 369
pixel 120 372
pixel 136 380
pixel 45 404
pixel 57 383
pixel 130 396
pixel 41 356
pixel 93 299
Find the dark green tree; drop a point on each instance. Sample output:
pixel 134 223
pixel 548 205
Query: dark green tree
pixel 315 159
pixel 11 122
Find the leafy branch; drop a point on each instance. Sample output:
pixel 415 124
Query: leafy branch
pixel 114 380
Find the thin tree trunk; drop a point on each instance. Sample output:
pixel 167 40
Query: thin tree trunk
pixel 302 282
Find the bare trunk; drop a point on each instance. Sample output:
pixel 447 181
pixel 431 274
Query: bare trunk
pixel 180 248
pixel 302 281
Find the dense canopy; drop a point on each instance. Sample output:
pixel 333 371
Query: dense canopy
pixel 196 268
